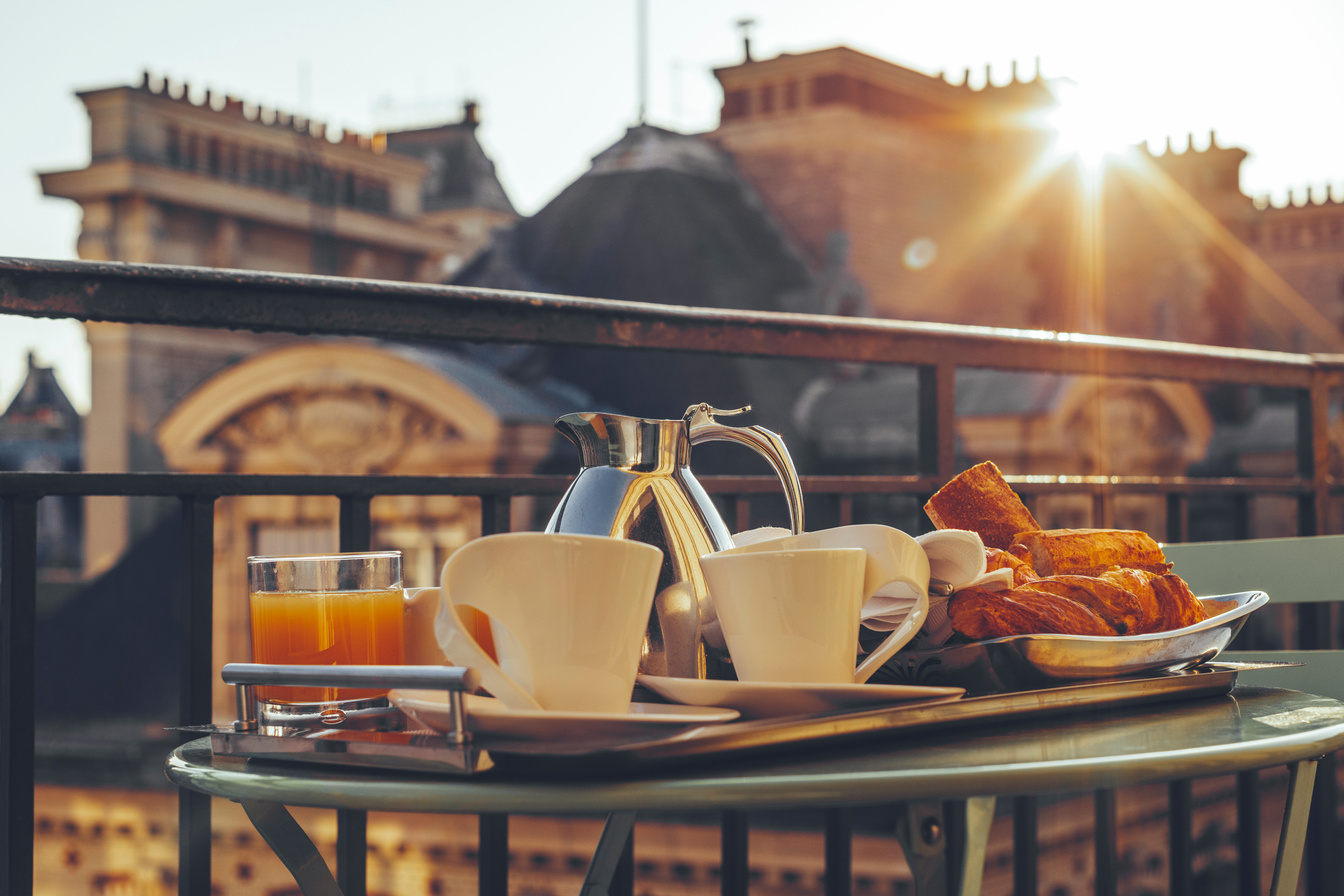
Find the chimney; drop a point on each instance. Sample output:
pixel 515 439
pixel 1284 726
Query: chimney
pixel 471 112
pixel 745 25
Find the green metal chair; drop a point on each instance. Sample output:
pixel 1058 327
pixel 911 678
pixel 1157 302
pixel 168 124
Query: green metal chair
pixel 1307 572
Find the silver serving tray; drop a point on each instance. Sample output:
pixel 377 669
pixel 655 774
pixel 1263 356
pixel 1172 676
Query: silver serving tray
pixel 425 751
pixel 1023 662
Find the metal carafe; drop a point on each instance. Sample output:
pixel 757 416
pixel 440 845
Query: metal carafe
pixel 636 483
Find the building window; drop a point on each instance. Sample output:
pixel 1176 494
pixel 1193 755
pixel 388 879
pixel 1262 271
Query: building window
pixel 791 95
pixel 767 99
pixel 736 104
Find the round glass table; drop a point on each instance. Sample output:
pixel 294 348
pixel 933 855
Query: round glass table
pixel 1249 728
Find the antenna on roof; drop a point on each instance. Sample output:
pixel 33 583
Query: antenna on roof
pixel 642 54
pixel 745 25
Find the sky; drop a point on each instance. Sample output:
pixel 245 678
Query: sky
pixel 557 82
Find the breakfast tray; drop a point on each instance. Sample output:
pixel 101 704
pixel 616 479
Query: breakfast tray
pixel 394 742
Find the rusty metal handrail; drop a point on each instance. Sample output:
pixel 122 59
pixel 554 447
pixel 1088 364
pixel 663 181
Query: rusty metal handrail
pixel 296 303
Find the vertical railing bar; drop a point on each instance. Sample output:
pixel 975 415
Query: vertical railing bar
pixel 195 676
pixel 954 840
pixel 496 514
pixel 741 513
pixel 356 522
pixel 1102 513
pixel 937 420
pixel 18 664
pixel 492 854
pixel 352 825
pixel 846 509
pixel 1248 833
pixel 1026 846
pixel 352 856
pixel 839 852
pixel 1241 516
pixel 1104 832
pixel 1178 518
pixel 1322 854
pixel 1180 820
pixel 734 864
pixel 1313 447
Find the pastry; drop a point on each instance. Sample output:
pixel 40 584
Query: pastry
pixel 1087 552
pixel 980 614
pixel 980 500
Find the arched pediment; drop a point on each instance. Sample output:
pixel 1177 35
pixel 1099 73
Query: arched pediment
pixel 1129 426
pixel 329 407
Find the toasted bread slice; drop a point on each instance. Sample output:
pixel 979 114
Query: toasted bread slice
pixel 980 500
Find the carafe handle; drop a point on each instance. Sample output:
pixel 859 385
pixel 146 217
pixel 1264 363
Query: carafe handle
pixel 702 427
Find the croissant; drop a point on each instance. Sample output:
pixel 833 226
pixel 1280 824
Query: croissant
pixel 1022 572
pixel 1169 602
pixel 1124 612
pixel 995 614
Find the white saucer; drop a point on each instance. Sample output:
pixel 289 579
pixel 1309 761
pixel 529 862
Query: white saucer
pixel 764 699
pixel 487 716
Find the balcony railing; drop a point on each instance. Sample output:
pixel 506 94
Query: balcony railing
pixel 330 306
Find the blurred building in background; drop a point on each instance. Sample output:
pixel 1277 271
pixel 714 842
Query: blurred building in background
pixel 41 432
pixel 835 183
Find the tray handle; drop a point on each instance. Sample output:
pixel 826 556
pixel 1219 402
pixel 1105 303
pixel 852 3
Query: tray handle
pixel 456 680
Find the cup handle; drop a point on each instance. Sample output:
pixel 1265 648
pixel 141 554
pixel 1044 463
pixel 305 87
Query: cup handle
pixel 418 610
pixel 893 642
pixel 462 650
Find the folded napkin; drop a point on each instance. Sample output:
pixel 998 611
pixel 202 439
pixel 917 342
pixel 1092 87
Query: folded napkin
pixel 764 533
pixel 956 561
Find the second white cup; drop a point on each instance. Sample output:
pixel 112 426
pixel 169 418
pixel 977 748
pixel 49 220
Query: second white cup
pixel 789 616
pixel 790 607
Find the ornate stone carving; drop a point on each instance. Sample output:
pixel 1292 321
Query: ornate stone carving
pixel 348 429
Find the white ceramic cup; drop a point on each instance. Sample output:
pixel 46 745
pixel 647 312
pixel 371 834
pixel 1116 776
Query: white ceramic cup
pixel 789 608
pixel 567 614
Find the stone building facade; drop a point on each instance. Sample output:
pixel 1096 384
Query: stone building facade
pixel 922 198
pixel 177 177
pixel 957 208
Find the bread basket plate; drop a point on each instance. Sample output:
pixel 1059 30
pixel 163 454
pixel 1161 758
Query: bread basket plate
pixel 1019 662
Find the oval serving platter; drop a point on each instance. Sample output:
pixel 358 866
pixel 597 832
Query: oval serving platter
pixel 1028 661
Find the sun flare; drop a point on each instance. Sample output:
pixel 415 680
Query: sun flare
pixel 1084 128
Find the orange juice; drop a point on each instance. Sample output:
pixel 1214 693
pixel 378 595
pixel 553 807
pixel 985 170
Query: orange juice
pixel 326 628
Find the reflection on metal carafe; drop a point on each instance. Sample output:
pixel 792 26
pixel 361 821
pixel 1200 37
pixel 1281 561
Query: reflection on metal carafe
pixel 636 483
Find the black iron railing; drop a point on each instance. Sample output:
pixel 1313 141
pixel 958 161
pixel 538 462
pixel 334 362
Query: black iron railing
pixel 331 306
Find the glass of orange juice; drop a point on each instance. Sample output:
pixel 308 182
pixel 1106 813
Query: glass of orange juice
pixel 326 610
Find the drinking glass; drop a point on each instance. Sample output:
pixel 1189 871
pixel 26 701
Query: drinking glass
pixel 326 610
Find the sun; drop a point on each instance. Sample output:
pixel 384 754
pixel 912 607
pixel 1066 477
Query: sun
pixel 1083 127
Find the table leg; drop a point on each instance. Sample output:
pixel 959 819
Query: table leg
pixel 1293 836
pixel 293 847
pixel 979 819
pixel 607 857
pixel 922 830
